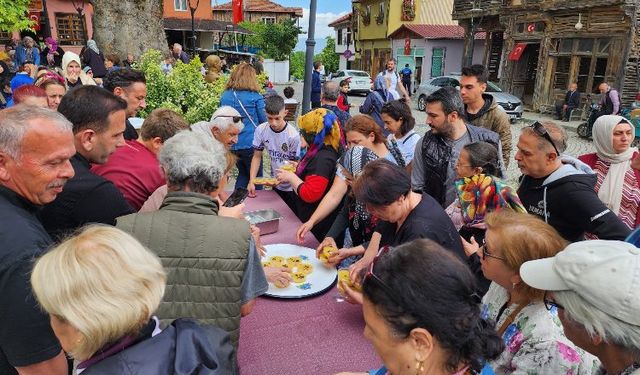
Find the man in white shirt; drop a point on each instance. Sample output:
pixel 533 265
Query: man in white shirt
pixel 393 82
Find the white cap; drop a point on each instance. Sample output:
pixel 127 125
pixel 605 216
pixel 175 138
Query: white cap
pixel 604 273
pixel 227 111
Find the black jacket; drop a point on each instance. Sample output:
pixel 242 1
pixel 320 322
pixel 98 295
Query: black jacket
pixel 57 59
pixel 95 61
pixel 183 348
pixel 572 99
pixel 86 198
pixel 567 201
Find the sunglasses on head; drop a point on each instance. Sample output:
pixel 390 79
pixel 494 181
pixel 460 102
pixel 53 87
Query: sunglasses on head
pixel 236 119
pixel 370 275
pixel 540 130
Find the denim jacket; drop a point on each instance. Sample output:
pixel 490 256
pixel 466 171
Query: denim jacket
pixel 253 113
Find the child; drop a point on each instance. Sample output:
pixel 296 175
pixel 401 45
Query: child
pixel 343 101
pixel 282 142
pixel 288 94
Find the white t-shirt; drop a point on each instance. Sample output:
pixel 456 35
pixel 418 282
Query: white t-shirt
pixel 281 146
pixel 392 83
pixel 290 101
pixel 407 144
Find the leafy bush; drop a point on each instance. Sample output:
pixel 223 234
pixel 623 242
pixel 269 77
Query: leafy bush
pixel 183 89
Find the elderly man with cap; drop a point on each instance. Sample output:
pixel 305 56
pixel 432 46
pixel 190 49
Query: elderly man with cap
pixel 595 286
pixel 35 147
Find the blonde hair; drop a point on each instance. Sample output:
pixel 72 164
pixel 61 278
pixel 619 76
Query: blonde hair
pixel 101 281
pixel 243 77
pixel 524 237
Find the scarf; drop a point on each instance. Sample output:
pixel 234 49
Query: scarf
pixel 54 47
pixel 353 161
pixel 321 127
pixel 481 194
pixel 610 192
pixel 91 44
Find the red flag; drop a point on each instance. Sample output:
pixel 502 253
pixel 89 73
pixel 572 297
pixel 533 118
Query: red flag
pixel 407 46
pixel 517 51
pixel 237 12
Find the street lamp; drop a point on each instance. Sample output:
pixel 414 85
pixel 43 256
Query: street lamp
pixel 192 9
pixel 78 5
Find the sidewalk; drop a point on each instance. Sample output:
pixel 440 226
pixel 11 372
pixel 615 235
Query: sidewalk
pixel 535 116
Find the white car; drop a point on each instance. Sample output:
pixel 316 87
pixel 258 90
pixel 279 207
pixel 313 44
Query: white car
pixel 359 82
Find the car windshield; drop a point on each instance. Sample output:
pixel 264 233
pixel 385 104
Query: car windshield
pixel 492 87
pixel 354 73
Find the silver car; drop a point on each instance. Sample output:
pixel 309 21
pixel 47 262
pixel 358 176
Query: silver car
pixel 359 82
pixel 509 103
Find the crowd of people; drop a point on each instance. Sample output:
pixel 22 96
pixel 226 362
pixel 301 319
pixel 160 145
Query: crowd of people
pixel 140 266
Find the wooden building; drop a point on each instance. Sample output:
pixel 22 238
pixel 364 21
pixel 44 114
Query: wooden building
pixel 258 11
pixel 537 47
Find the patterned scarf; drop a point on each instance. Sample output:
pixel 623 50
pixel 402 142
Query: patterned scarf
pixel 481 194
pixel 353 161
pixel 321 127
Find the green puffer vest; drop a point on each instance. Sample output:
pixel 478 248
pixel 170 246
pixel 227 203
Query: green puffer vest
pixel 204 255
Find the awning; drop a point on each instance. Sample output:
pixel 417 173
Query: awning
pixel 517 51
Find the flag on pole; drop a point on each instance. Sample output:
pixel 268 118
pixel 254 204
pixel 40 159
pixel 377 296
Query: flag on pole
pixel 237 12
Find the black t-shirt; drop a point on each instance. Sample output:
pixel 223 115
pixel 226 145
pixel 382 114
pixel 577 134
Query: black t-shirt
pixel 427 220
pixel 26 337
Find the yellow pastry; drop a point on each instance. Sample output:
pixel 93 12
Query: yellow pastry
pixel 267 264
pixel 277 261
pixel 294 261
pixel 305 268
pixel 288 167
pixel 343 276
pixel 298 277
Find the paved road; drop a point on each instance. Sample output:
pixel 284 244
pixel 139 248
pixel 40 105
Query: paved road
pixel 576 145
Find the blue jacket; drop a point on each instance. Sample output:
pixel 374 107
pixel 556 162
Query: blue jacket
pixel 254 115
pixel 21 56
pixel 316 86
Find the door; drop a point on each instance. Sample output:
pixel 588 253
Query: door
pixel 524 73
pixel 437 61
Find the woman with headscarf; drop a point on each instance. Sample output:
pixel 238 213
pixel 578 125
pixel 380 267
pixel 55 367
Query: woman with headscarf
pixel 353 215
pixel 94 58
pixel 51 55
pixel 618 183
pixel 321 134
pixel 72 71
pixel 372 105
pixel 27 51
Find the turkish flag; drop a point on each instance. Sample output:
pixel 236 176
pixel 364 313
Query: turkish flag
pixel 35 17
pixel 517 51
pixel 237 12
pixel 407 46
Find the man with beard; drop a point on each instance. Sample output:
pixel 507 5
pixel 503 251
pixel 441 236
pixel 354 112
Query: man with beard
pixel 391 78
pixel 98 119
pixel 434 161
pixel 35 147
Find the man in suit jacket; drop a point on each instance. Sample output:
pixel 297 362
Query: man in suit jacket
pixel 571 102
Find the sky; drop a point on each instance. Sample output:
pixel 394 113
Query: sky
pixel 327 11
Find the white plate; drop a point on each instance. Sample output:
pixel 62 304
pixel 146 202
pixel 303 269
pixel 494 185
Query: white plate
pixel 319 281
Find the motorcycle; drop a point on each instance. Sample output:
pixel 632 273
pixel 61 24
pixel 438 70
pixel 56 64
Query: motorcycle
pixel 585 129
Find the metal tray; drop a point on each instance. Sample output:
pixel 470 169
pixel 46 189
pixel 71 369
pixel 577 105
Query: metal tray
pixel 266 220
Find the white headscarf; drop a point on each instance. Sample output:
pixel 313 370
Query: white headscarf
pixel 611 190
pixel 92 45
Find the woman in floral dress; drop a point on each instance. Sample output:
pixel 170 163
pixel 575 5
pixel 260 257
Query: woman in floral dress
pixel 533 336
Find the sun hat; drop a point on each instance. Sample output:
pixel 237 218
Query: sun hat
pixel 604 273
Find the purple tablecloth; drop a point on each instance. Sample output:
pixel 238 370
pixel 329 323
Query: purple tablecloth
pixel 315 335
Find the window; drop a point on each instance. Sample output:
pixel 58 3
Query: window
pixel 339 40
pixel 269 20
pixel 583 73
pixel 70 29
pixel 437 62
pixel 561 79
pixel 180 5
pixel 440 82
pixel 380 17
pixel 347 36
pixel 600 72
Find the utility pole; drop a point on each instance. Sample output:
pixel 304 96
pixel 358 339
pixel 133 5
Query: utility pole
pixel 193 9
pixel 308 58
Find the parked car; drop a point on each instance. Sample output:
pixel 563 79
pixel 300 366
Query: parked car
pixel 511 104
pixel 359 82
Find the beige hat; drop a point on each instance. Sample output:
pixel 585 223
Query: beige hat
pixel 604 273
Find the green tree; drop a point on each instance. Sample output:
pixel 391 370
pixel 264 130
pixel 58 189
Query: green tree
pixel 296 64
pixel 14 15
pixel 275 41
pixel 330 59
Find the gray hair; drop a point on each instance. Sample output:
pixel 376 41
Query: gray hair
pixel 596 322
pixel 223 123
pixel 28 39
pixel 330 91
pixel 16 121
pixel 557 133
pixel 194 162
pixel 450 99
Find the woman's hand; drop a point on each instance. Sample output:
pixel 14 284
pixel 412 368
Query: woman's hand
pixel 285 176
pixel 235 211
pixel 338 256
pixel 255 233
pixel 278 276
pixel 251 187
pixel 356 269
pixel 327 242
pixel 470 248
pixel 351 295
pixel 303 230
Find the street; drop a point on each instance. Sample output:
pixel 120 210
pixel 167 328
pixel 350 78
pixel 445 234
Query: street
pixel 576 145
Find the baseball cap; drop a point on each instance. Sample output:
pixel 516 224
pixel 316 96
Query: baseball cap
pixel 604 273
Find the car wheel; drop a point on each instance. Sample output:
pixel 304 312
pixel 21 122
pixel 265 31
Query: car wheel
pixel 422 103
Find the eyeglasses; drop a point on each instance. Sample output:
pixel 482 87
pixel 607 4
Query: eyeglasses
pixel 550 304
pixel 236 119
pixel 486 253
pixel 370 275
pixel 542 131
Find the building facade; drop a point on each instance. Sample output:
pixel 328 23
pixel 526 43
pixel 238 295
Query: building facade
pixel 537 47
pixel 257 11
pixel 344 41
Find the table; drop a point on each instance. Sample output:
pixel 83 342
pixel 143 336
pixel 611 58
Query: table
pixel 316 335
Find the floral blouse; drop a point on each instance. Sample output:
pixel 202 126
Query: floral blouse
pixel 535 342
